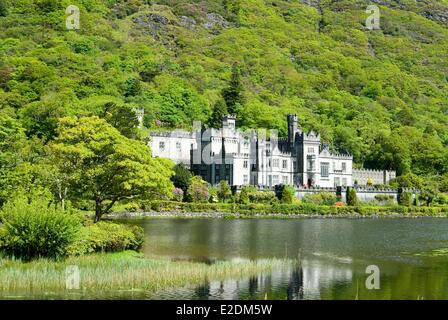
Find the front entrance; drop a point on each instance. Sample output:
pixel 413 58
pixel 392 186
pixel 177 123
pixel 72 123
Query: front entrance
pixel 310 182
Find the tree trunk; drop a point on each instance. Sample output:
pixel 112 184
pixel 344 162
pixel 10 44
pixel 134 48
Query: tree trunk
pixel 98 211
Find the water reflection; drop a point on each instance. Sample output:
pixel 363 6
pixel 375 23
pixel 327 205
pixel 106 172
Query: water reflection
pixel 334 254
pixel 301 281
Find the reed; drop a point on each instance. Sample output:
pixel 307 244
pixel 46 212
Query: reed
pixel 123 271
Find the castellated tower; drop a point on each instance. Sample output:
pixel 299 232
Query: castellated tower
pixel 293 128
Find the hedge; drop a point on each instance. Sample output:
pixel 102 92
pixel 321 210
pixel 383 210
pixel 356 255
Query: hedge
pixel 291 209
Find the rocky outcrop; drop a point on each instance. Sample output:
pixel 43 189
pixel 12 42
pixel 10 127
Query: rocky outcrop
pixel 187 22
pixel 430 9
pixel 214 20
pixel 153 23
pixel 436 15
pixel 312 3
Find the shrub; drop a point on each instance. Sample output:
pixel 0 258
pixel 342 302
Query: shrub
pixel 384 197
pixel 288 194
pixel 155 206
pixel 182 177
pixel 34 229
pixel 409 180
pixel 178 194
pixel 107 236
pixel 441 199
pixel 244 196
pixel 213 194
pixel 262 196
pixel 352 198
pixel 321 198
pixel 406 199
pixel 224 192
pixel 132 207
pixel 198 190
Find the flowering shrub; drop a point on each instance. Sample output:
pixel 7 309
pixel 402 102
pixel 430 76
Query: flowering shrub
pixel 178 194
pixel 198 190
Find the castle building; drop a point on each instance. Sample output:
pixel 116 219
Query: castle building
pixel 256 158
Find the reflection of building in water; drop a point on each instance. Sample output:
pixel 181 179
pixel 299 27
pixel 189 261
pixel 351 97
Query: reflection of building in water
pixel 301 282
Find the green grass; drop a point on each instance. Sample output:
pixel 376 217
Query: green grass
pixel 122 271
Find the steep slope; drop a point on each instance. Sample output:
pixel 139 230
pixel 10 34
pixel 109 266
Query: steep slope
pixel 381 95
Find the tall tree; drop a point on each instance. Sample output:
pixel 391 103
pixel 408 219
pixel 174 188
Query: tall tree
pixel 233 94
pixel 219 111
pixel 122 117
pixel 102 165
pixel 3 8
pixel 182 177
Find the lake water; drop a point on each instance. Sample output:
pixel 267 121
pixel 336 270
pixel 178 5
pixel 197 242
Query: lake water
pixel 411 255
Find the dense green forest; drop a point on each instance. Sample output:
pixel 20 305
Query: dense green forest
pixel 379 94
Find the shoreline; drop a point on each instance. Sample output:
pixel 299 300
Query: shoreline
pixel 224 215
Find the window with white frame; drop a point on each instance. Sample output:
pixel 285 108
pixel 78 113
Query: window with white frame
pixel 178 146
pixel 310 149
pixel 344 182
pixel 337 182
pixel 275 180
pixel 344 167
pixel 245 179
pixel 276 163
pixel 324 169
pixel 162 146
pixel 310 164
pixel 245 164
pixel 285 180
pixel 285 164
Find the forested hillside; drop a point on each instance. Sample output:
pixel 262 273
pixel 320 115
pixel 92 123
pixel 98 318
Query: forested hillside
pixel 378 94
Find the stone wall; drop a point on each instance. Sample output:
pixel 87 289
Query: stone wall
pixel 364 194
pixel 361 176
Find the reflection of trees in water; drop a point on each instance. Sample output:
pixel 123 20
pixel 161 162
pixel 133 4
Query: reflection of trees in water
pixel 306 280
pixel 317 280
pixel 253 286
pixel 295 285
pixel 397 281
pixel 203 291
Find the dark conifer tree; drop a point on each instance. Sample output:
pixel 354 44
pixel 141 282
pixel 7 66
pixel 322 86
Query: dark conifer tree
pixel 219 111
pixel 233 94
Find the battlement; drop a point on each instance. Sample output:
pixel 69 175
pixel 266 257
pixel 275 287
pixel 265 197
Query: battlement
pixel 173 134
pixel 342 156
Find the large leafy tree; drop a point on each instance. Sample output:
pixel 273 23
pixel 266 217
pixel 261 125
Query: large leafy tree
pixel 15 169
pixel 122 117
pixel 101 165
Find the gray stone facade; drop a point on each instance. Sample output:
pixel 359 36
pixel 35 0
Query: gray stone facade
pixel 250 158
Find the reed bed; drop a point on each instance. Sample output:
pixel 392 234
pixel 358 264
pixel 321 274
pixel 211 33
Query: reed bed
pixel 124 271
